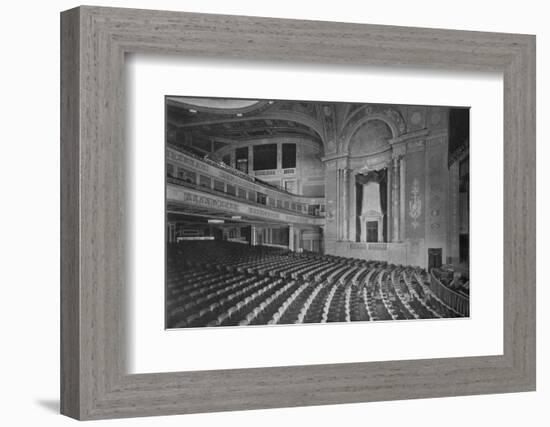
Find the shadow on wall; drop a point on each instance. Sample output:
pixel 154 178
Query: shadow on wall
pixel 52 405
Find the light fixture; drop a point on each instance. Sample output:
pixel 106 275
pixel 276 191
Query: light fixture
pixel 216 221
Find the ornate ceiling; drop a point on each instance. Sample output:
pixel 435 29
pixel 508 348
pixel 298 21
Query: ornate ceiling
pixel 209 124
pixel 221 122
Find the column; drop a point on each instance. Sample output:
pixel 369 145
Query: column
pixel 250 160
pixel 171 232
pixel 338 215
pixel 331 190
pixel 342 206
pixel 396 209
pixel 253 236
pixel 345 203
pixel 362 221
pixel 291 237
pixel 453 254
pixel 352 210
pixel 279 156
pixel 232 158
pixel 402 204
pixel 389 203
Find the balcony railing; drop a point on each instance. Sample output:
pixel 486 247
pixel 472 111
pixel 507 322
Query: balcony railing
pixel 265 172
pixel 229 169
pixel 459 303
pixel 191 184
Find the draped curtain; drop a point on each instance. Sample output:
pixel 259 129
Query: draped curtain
pixel 381 177
pixel 358 207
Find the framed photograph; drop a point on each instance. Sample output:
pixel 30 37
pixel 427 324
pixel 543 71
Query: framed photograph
pixel 347 211
pixel 250 240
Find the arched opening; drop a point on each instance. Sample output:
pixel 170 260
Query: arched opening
pixel 370 138
pixel 371 188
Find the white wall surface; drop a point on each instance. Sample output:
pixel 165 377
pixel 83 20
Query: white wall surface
pixel 29 213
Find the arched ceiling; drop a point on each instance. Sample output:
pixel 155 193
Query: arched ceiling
pixel 212 123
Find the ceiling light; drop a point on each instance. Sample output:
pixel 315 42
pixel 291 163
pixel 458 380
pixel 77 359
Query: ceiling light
pixel 216 221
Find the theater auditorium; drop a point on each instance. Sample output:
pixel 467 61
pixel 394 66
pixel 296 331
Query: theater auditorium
pixel 290 212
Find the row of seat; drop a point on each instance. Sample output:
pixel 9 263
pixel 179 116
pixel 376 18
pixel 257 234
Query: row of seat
pixel 212 283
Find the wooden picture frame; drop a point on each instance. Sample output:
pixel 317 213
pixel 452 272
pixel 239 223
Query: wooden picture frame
pixel 94 382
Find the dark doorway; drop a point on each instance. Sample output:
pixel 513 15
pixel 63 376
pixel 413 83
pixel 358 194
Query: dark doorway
pixel 372 231
pixel 246 232
pixel 217 233
pixel 435 256
pixel 464 248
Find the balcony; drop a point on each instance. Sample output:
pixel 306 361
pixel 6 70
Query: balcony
pixel 220 165
pixel 204 200
pixel 205 171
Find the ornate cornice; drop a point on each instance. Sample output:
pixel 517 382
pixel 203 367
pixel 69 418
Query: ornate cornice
pixel 410 136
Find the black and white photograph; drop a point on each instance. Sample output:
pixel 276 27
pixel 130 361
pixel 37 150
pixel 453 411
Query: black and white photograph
pixel 291 212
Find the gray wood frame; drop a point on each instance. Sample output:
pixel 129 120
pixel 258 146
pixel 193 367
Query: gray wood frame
pixel 94 382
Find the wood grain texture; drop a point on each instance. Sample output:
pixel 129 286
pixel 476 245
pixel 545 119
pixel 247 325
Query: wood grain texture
pixel 70 315
pixel 94 270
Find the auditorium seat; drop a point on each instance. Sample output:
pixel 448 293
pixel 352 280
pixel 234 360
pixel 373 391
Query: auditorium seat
pixel 218 283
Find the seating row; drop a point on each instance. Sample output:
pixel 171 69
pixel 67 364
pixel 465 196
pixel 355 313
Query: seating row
pixel 211 283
